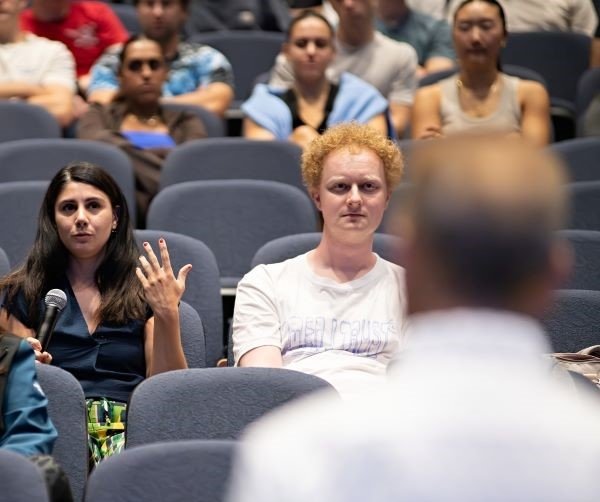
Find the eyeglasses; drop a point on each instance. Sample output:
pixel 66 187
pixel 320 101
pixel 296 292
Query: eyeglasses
pixel 136 65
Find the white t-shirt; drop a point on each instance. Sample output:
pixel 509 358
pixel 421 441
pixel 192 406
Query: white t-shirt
pixel 345 333
pixel 37 61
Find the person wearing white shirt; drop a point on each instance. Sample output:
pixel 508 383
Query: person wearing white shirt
pixel 471 411
pixel 336 312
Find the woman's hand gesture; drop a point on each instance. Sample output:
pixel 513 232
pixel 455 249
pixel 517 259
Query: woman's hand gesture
pixel 162 289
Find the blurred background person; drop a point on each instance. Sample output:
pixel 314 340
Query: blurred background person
pixel 87 28
pixel 429 36
pixel 197 74
pixel 435 8
pixel 35 69
pixel 344 316
pixel 471 411
pixel 323 7
pixel 480 97
pixel 313 102
pixel 387 65
pixel 135 120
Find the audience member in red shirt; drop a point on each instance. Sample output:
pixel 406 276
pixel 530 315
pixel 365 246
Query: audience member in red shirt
pixel 86 28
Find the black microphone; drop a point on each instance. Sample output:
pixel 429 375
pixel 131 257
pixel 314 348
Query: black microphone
pixel 55 301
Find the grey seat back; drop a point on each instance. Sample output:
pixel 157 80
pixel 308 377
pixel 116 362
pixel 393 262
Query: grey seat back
pixel 211 403
pixel 20 479
pixel 20 203
pixel 585 205
pixel 232 217
pixel 233 158
pixel 165 472
pixel 580 155
pixel 67 409
pixel 21 120
pixel 284 248
pixel 41 159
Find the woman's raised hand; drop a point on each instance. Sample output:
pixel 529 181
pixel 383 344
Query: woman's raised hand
pixel 162 289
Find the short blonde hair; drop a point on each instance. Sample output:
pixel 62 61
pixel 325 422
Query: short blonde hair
pixel 351 136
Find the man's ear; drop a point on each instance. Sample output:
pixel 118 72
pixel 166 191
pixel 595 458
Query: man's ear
pixel 314 195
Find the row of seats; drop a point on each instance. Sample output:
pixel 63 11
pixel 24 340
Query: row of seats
pixel 163 472
pixel 192 404
pixel 215 158
pixel 196 405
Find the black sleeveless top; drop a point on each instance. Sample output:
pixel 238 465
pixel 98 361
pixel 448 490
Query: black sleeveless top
pixel 290 99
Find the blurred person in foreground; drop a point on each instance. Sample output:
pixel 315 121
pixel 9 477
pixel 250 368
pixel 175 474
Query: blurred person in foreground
pixel 470 412
pixel 336 312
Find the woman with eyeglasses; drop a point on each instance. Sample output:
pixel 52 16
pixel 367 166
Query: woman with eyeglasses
pixel 314 102
pixel 136 122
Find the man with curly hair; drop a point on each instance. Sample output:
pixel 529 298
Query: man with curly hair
pixel 337 311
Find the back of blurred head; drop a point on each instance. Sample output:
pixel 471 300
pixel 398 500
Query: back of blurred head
pixel 480 226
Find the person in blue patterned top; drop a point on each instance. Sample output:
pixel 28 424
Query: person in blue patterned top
pixel 198 74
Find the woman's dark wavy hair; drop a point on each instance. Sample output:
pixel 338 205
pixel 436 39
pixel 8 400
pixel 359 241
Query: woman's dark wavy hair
pixel 121 293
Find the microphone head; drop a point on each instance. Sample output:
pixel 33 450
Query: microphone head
pixel 56 298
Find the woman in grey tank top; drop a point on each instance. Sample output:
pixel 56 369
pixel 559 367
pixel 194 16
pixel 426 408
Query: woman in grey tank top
pixel 480 98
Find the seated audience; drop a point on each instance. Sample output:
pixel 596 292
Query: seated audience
pixel 136 122
pixel 34 69
pixel 313 103
pixel 387 65
pixel 198 74
pixel 429 36
pixel 471 411
pixel 480 97
pixel 336 312
pixel 121 321
pixel 87 28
